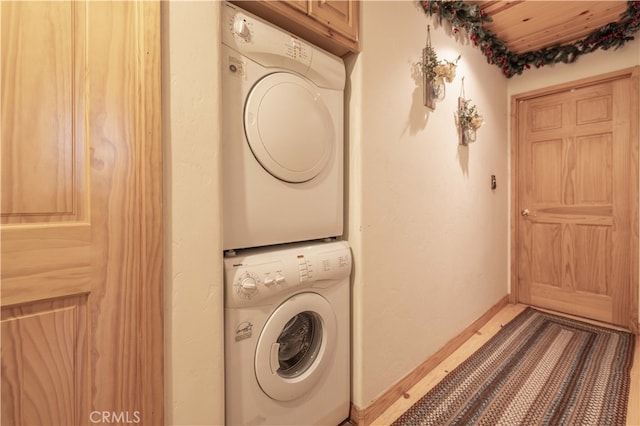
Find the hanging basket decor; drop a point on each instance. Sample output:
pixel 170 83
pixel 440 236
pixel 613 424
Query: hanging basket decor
pixel 468 120
pixel 435 73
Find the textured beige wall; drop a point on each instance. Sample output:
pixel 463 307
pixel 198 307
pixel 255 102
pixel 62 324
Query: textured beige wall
pixel 194 369
pixel 429 236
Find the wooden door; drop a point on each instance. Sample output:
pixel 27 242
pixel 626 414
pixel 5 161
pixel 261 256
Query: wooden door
pixel 81 183
pixel 577 199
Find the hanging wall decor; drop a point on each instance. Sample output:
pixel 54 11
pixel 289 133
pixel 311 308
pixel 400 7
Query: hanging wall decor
pixel 435 73
pixel 468 119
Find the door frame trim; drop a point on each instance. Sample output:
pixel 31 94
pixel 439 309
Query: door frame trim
pixel 633 74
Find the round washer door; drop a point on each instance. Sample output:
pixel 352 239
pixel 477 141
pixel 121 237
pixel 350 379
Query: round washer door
pixel 288 127
pixel 295 346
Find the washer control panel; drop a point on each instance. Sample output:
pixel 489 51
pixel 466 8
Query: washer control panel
pixel 252 276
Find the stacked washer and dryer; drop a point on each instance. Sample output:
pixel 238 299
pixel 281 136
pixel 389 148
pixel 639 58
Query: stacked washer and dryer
pixel 287 296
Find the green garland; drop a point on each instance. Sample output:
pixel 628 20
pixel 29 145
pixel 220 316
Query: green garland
pixel 471 18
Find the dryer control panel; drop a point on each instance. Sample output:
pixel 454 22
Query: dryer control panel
pixel 256 40
pixel 270 46
pixel 254 276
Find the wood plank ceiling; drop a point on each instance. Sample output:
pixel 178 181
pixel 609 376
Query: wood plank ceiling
pixel 530 25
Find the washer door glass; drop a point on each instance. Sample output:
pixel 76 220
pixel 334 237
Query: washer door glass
pixel 295 346
pixel 288 127
pixel 299 343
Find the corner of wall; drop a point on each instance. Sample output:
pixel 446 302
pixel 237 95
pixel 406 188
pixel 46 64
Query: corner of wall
pixel 354 194
pixel 194 341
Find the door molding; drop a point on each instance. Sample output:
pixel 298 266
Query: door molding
pixel 633 74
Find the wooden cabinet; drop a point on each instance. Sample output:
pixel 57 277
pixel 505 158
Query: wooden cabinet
pixel 300 5
pixel 81 224
pixel 340 16
pixel 329 24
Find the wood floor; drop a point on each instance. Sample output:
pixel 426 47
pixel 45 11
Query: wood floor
pixel 474 343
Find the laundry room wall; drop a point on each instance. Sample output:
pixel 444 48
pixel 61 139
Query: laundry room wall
pixel 194 345
pixel 429 236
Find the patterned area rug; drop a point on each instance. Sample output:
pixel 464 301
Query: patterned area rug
pixel 540 369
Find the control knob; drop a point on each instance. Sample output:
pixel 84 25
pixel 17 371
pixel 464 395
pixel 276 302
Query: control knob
pixel 241 28
pixel 248 286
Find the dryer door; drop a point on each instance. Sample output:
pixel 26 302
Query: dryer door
pixel 288 127
pixel 295 346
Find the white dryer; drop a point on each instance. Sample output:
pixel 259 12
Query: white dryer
pixel 287 335
pixel 282 135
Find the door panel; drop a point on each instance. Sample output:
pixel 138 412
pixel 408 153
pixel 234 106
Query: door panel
pixel 38 153
pixel 592 245
pixel 44 363
pixel 593 170
pixel 43 146
pixel 81 213
pixel 546 253
pixel 547 170
pixel 577 227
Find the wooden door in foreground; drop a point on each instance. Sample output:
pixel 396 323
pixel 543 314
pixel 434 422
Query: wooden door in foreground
pixel 577 200
pixel 81 213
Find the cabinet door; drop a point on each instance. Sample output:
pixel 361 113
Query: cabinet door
pixel 300 5
pixel 341 16
pixel 81 224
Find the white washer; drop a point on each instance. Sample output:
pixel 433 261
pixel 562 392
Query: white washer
pixel 287 335
pixel 282 135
